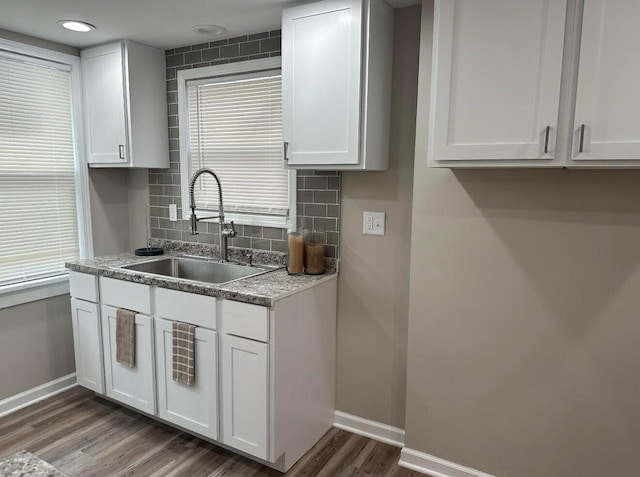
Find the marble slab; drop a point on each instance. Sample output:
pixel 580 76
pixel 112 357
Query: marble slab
pixel 264 289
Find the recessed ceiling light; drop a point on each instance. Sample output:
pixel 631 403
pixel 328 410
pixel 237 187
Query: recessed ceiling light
pixel 209 30
pixel 76 25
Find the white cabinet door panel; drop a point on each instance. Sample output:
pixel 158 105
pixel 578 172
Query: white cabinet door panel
pixel 608 94
pixel 192 407
pixel 245 388
pixel 321 82
pixel 104 97
pixel 87 344
pixel 496 80
pixel 132 386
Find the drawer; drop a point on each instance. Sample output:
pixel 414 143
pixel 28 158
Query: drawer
pixel 123 294
pixel 199 310
pixel 243 319
pixel 83 286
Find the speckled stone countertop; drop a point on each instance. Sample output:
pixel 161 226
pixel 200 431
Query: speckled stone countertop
pixel 24 463
pixel 264 289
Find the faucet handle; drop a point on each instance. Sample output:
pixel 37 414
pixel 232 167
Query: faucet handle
pixel 233 230
pixel 194 223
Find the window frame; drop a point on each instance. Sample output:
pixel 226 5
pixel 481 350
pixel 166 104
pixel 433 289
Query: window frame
pixel 54 285
pixel 217 72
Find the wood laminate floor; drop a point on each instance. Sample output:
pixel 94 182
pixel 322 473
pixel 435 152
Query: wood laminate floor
pixel 84 435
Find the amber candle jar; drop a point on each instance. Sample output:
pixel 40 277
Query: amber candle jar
pixel 295 258
pixel 314 253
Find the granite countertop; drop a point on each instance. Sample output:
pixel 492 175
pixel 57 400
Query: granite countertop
pixel 264 289
pixel 24 463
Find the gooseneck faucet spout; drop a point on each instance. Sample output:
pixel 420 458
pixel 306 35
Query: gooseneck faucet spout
pixel 224 231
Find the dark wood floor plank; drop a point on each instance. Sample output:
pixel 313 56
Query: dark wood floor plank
pixel 42 436
pixel 181 464
pixel 365 455
pixel 87 436
pixel 82 439
pixel 344 456
pixel 75 463
pixel 321 454
pixel 381 459
pixel 41 410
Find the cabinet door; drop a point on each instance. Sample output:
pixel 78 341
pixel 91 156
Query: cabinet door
pixel 608 94
pixel 192 407
pixel 105 104
pixel 132 386
pixel 496 82
pixel 87 344
pixel 245 388
pixel 321 82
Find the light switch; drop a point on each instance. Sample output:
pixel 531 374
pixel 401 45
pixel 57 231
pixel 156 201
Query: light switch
pixel 373 223
pixel 173 213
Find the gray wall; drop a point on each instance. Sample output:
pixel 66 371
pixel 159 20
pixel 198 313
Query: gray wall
pixel 318 192
pixel 118 198
pixel 32 40
pixel 36 344
pixel 373 285
pixel 523 324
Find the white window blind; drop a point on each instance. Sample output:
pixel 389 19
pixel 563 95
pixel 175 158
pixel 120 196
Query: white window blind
pixel 235 129
pixel 39 226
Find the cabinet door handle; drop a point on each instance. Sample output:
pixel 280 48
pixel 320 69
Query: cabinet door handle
pixel 121 151
pixel 546 139
pixel 286 148
pixel 581 147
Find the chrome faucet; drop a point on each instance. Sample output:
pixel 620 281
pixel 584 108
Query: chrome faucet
pixel 223 228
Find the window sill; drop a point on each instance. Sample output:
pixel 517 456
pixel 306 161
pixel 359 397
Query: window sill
pixel 247 219
pixel 33 290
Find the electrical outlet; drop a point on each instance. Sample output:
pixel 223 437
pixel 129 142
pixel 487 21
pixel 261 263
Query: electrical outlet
pixel 173 213
pixel 373 223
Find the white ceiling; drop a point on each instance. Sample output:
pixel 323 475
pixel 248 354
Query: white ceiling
pixel 160 23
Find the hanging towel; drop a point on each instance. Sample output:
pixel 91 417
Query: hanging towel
pixel 183 353
pixel 126 337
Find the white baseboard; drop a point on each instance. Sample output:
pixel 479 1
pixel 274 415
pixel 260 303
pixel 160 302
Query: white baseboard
pixel 371 429
pixel 435 466
pixel 39 393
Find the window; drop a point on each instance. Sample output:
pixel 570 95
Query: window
pixel 231 122
pixel 39 173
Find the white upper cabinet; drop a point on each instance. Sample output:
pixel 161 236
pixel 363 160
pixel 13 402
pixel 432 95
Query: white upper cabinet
pixel 500 83
pixel 105 105
pixel 608 90
pixel 495 91
pixel 336 84
pixel 125 105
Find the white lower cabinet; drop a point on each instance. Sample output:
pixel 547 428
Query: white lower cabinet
pixel 245 401
pixel 87 344
pixel 193 407
pixel 132 386
pixel 266 388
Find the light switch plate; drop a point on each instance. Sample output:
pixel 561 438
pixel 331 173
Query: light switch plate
pixel 373 223
pixel 173 213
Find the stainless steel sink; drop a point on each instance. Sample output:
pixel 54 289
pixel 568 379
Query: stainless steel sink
pixel 197 269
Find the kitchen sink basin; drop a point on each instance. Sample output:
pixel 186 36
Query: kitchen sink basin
pixel 197 269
